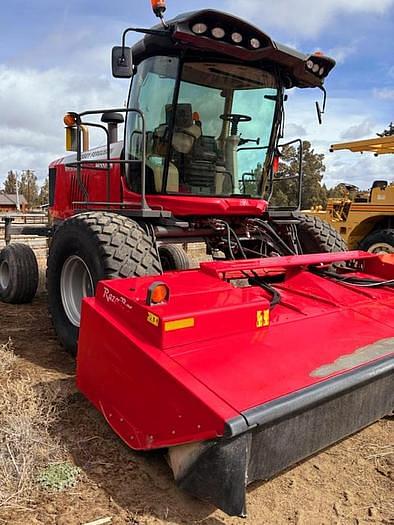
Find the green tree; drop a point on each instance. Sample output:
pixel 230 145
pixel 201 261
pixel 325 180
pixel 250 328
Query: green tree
pixel 286 186
pixel 43 197
pixel 10 182
pixel 339 191
pixel 29 187
pixel 313 168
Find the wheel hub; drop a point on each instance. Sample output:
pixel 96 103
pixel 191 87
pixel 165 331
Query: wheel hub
pixel 4 275
pixel 76 282
pixel 381 247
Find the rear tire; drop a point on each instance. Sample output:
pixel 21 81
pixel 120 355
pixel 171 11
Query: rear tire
pixel 379 241
pixel 86 249
pixel 317 236
pixel 18 274
pixel 173 257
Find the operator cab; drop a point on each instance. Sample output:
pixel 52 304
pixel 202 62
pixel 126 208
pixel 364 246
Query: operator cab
pixel 211 89
pixel 204 118
pixel 198 128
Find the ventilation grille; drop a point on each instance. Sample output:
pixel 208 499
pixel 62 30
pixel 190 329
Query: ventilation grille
pixel 77 194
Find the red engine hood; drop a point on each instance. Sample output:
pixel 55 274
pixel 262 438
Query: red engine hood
pixel 189 206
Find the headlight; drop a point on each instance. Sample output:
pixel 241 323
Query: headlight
pixel 199 29
pixel 321 71
pixel 237 38
pixel 315 68
pixel 218 32
pixel 309 64
pixel 255 43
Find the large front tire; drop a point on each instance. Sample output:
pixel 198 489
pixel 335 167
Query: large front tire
pixel 86 249
pixel 317 236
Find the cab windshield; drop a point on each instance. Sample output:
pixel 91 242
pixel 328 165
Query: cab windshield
pixel 215 141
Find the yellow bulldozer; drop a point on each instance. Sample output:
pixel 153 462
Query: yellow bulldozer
pixel 364 219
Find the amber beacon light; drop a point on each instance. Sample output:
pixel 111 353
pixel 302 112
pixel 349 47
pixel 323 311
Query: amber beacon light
pixel 159 7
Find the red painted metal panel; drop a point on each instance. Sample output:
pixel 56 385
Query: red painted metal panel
pixel 146 397
pixel 159 386
pixel 279 263
pixel 179 205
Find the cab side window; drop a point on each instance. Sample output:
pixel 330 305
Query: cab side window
pixel 152 91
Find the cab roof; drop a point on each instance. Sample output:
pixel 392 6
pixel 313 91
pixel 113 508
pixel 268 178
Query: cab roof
pixel 296 68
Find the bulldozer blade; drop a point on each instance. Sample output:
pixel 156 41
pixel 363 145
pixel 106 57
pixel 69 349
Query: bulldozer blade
pixel 236 389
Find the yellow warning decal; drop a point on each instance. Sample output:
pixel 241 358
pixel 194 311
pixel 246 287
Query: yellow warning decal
pixel 169 326
pixel 153 319
pixel 262 318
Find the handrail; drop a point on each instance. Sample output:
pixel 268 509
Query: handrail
pixel 79 162
pixel 300 175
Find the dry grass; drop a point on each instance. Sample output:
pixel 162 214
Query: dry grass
pixel 27 411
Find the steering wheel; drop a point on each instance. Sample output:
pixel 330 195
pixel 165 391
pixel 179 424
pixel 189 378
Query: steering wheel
pixel 235 119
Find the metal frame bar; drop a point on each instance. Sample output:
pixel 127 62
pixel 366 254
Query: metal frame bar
pixel 80 162
pixel 378 146
pixel 300 175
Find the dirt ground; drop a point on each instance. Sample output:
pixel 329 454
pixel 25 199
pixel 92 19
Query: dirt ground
pixel 350 483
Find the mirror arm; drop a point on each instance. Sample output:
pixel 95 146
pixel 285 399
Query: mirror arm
pixel 154 32
pixel 324 98
pixel 320 111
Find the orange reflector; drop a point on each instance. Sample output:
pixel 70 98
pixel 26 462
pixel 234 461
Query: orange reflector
pixel 275 165
pixel 319 53
pixel 157 293
pixel 69 120
pixel 196 116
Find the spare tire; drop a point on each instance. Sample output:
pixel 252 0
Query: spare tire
pixel 317 236
pixel 86 249
pixel 173 257
pixel 18 274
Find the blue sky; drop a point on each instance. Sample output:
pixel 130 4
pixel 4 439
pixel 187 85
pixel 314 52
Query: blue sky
pixel 55 57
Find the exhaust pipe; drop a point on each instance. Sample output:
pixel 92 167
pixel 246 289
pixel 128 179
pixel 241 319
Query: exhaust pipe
pixel 113 120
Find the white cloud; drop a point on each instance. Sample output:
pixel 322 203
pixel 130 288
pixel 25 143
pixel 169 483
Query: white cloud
pixel 360 130
pixel 359 169
pixel 295 130
pixel 32 105
pixel 384 93
pixel 341 166
pixel 341 53
pixel 306 17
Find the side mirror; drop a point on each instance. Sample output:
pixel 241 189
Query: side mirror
pixel 319 113
pixel 122 62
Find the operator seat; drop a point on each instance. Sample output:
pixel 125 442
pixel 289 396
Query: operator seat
pixel 186 132
pixel 197 157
